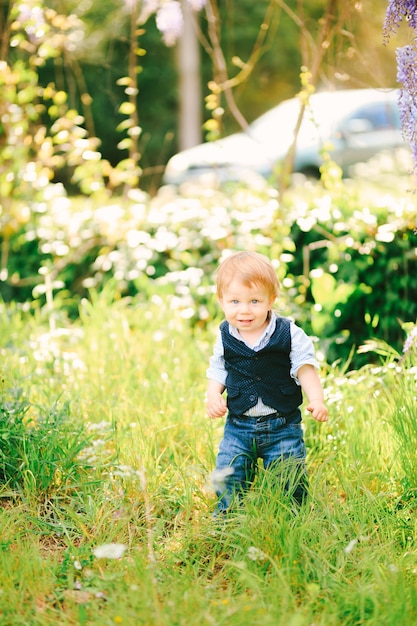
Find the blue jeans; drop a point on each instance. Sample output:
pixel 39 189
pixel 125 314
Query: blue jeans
pixel 272 438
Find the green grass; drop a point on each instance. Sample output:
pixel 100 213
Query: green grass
pixel 107 441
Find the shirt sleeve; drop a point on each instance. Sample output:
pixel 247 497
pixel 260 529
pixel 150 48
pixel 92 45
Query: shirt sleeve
pixel 302 351
pixel 217 370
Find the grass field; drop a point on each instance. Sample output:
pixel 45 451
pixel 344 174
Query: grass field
pixel 106 502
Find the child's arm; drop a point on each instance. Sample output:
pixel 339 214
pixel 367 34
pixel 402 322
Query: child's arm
pixel 311 385
pixel 216 404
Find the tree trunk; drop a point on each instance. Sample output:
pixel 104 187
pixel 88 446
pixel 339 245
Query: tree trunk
pixel 190 96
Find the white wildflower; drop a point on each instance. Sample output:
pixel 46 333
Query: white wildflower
pixel 350 546
pixel 256 554
pixel 124 471
pixel 103 425
pixel 219 478
pixel 109 551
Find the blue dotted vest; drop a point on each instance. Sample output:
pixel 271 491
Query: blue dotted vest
pixel 265 373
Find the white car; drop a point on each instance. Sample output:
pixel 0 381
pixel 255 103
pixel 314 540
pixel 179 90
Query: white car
pixel 353 125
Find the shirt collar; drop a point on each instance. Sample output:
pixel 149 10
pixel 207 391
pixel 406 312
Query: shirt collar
pixel 267 332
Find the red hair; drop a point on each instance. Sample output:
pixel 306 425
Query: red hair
pixel 251 268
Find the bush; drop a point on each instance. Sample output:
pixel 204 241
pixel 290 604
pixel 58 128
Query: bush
pixel 347 270
pixel 354 268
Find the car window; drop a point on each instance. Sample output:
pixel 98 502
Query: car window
pixel 326 113
pixel 377 116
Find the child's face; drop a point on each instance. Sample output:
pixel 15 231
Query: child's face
pixel 246 307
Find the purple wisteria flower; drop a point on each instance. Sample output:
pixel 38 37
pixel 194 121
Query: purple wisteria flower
pixel 197 5
pixel 33 20
pixel 411 340
pixel 169 17
pixel 149 7
pixel 170 21
pixel 397 11
pixel 407 102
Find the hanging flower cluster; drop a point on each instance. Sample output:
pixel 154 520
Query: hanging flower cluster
pixel 407 76
pixel 168 16
pixel 397 11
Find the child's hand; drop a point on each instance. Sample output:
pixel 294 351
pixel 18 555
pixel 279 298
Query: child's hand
pixel 216 405
pixel 318 411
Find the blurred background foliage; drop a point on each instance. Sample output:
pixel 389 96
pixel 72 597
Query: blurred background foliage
pixel 80 207
pixel 95 56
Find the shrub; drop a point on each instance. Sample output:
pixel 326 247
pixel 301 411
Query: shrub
pixel 354 268
pixel 347 270
pixel 41 454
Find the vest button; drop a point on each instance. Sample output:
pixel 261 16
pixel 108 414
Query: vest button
pixel 252 398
